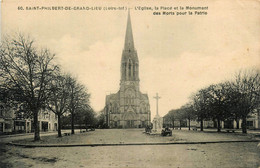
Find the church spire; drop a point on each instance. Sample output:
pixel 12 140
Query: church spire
pixel 129 40
pixel 129 61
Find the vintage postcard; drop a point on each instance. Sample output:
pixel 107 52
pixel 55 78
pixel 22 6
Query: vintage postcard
pixel 147 83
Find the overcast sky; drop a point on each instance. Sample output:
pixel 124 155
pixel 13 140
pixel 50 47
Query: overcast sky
pixel 177 54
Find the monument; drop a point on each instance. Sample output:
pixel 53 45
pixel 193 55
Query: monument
pixel 157 121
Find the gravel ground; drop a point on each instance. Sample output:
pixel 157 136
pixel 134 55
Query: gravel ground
pixel 195 156
pixel 235 154
pixel 121 136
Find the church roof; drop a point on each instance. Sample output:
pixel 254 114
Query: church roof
pixel 113 96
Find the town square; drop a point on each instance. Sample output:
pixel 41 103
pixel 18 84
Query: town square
pixel 101 86
pixel 133 148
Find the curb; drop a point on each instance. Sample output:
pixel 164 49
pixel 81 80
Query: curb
pixel 123 144
pixel 24 134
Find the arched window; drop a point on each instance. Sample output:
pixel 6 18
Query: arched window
pixel 133 70
pixel 130 96
pixel 129 69
pixel 125 67
pixel 115 108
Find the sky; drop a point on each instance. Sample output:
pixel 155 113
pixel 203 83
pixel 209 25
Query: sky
pixel 178 55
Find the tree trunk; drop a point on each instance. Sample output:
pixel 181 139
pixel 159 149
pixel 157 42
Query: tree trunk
pixel 36 126
pixel 189 123
pixel 72 123
pixel 201 124
pixel 244 125
pixel 237 121
pixel 219 127
pixel 59 126
pixel 180 124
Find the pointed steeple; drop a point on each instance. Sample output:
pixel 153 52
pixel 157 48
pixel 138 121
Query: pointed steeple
pixel 129 61
pixel 129 40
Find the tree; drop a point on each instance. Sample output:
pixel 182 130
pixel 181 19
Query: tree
pixel 233 100
pixel 58 96
pixel 90 117
pixel 179 116
pixel 188 112
pixel 101 120
pixel 171 116
pixel 200 105
pixel 78 98
pixel 25 67
pixel 85 116
pixel 65 121
pixel 10 97
pixel 218 103
pixel 246 94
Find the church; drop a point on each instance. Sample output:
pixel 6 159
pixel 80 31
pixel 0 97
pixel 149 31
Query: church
pixel 128 108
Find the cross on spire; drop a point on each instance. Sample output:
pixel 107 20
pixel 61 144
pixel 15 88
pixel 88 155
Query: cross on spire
pixel 157 99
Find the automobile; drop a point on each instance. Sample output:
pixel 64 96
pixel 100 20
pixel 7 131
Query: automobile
pixel 166 131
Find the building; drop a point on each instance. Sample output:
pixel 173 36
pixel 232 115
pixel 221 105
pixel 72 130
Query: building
pixel 128 108
pixel 14 120
pixel 253 121
pixel 6 119
pixel 48 121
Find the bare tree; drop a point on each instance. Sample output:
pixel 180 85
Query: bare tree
pixel 78 97
pixel 171 116
pixel 180 116
pixel 246 89
pixel 218 103
pixel 176 114
pixel 188 112
pixel 25 67
pixel 200 105
pixel 58 96
pixel 85 116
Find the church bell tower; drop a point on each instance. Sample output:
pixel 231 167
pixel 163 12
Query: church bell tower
pixel 129 60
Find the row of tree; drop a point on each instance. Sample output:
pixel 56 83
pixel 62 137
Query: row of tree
pixel 230 100
pixel 39 83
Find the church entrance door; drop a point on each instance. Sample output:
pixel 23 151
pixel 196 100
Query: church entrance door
pixel 130 124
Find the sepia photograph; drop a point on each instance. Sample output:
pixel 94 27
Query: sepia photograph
pixel 130 83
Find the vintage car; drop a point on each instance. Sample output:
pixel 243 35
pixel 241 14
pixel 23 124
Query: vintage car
pixel 166 131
